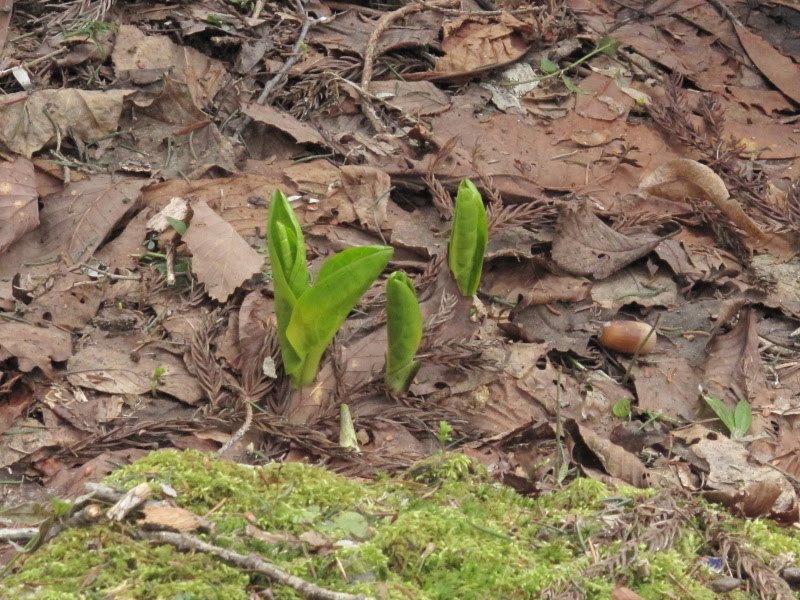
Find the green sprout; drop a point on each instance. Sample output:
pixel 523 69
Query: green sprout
pixel 737 421
pixel 309 316
pixel 156 379
pixel 404 325
pixel 468 238
pixel 444 435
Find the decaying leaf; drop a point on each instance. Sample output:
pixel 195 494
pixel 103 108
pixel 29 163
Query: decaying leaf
pixel 781 70
pixel 221 259
pixel 74 223
pixel 584 245
pixel 473 44
pixel 733 371
pixel 29 122
pixel 145 58
pixel 34 346
pixel 107 367
pixel 19 212
pixel 733 471
pixel 171 518
pixel 368 189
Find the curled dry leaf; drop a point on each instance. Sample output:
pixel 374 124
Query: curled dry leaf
pixel 584 245
pixel 683 177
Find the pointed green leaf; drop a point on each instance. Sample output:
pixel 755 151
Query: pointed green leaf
pixel 743 417
pixel 468 238
pixel 724 413
pixel 178 225
pixel 548 66
pixel 404 326
pixel 347 432
pixel 290 277
pixel 320 310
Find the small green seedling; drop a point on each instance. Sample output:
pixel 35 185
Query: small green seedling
pixel 622 409
pixel 468 238
pixel 155 379
pixel 737 421
pixel 404 325
pixel 309 316
pixel 444 435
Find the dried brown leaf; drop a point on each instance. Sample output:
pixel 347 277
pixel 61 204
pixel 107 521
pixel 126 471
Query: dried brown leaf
pixel 74 223
pixel 221 259
pixel 31 121
pixel 19 211
pixel 584 245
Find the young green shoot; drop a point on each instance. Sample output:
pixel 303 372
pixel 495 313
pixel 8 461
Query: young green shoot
pixel 309 316
pixel 444 435
pixel 468 238
pixel 404 326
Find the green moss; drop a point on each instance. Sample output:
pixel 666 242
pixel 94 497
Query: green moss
pixel 443 531
pixel 100 562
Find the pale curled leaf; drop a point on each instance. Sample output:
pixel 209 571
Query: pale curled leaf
pixel 584 245
pixel 682 178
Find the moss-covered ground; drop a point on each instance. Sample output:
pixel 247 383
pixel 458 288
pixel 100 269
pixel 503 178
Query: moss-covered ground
pixel 443 531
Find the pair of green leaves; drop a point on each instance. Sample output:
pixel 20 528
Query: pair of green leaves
pixel 737 421
pixel 468 238
pixel 309 316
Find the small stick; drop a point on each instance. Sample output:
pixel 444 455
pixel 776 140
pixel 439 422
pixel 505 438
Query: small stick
pixel 250 562
pixel 372 44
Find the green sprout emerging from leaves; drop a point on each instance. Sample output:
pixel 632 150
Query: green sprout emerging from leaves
pixel 404 325
pixel 468 238
pixel 309 316
pixel 737 421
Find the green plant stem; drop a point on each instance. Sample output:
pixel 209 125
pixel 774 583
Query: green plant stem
pixel 565 70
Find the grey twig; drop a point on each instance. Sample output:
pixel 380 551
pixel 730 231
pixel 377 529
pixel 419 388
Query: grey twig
pixel 250 562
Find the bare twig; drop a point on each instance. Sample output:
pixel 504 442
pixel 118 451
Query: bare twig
pixel 290 61
pixel 250 562
pixel 372 44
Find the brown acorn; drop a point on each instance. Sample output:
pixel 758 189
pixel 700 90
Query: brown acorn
pixel 627 337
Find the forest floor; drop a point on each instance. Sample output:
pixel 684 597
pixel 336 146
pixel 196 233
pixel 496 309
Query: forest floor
pixel 639 167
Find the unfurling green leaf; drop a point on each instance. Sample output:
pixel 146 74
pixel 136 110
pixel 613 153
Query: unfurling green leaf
pixel 548 66
pixel 318 313
pixel 287 252
pixel 468 238
pixel 404 325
